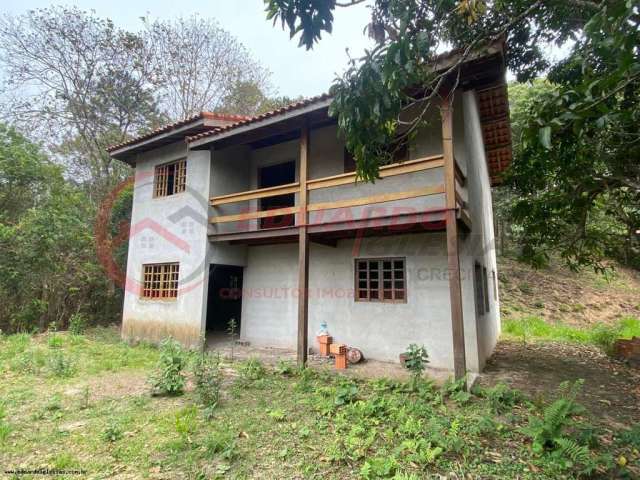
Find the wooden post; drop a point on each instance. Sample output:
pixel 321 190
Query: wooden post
pixel 303 250
pixel 455 289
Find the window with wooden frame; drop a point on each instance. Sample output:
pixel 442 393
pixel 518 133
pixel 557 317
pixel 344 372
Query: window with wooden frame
pixel 380 280
pixel 160 280
pixel 478 286
pixel 170 178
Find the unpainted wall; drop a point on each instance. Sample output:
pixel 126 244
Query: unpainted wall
pixel 168 229
pixel 381 330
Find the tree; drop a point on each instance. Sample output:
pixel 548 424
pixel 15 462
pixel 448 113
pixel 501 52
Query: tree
pixel 247 98
pixel 373 92
pixel 577 171
pixel 79 83
pixel 578 150
pixel 48 269
pixel 199 65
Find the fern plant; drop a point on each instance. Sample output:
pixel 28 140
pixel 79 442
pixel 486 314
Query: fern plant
pixel 549 432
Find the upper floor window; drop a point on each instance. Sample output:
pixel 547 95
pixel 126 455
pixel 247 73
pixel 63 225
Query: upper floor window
pixel 381 280
pixel 170 178
pixel 160 280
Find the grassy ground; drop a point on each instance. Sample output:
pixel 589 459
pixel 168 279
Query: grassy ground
pixel 529 328
pixel 82 402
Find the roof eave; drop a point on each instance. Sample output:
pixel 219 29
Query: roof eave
pixel 127 153
pixel 203 142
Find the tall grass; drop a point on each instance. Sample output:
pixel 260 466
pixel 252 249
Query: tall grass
pixel 603 336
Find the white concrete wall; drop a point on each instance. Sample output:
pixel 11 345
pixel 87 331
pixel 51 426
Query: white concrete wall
pixel 169 229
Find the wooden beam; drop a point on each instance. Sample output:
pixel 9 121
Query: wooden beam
pixel 410 166
pixel 462 179
pixel 255 194
pixel 303 250
pixel 352 202
pixel 253 215
pixel 381 198
pixel 455 288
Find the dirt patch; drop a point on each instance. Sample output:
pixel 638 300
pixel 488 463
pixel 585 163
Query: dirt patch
pixel 558 294
pixel 112 385
pixel 611 389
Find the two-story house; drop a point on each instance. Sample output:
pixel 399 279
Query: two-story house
pixel 262 220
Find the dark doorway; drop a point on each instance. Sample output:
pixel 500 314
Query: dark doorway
pixel 272 176
pixel 224 300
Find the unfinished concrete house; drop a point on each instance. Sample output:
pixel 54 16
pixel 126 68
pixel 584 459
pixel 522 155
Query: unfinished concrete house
pixel 262 220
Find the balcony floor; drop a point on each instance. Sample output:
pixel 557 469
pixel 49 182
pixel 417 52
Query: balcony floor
pixel 330 233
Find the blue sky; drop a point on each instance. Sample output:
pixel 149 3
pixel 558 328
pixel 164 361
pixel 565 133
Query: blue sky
pixel 295 71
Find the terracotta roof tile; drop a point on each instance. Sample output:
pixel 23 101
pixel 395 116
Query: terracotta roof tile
pixel 177 124
pixel 272 113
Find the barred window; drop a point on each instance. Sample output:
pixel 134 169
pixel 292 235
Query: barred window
pixel 485 288
pixel 160 280
pixel 495 285
pixel 478 285
pixel 381 280
pixel 170 178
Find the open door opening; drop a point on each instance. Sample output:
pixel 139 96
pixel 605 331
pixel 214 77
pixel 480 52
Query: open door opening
pixel 224 301
pixel 273 176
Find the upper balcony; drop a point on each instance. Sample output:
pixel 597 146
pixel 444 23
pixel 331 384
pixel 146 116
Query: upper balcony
pixel 258 195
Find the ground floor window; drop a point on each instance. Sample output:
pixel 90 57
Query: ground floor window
pixel 481 287
pixel 478 285
pixel 380 280
pixel 160 280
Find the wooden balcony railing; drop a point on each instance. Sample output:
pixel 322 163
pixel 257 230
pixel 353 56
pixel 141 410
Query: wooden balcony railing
pixel 421 164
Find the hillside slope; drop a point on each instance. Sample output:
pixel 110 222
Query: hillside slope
pixel 557 294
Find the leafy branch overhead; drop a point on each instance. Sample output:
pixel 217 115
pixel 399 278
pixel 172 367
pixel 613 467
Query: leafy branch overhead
pixel 577 147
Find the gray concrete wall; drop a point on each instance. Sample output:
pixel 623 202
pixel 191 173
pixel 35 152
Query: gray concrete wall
pixel 479 245
pixel 175 229
pixel 381 330
pixel 169 229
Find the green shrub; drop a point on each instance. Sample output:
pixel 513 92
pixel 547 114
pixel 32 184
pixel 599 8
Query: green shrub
pixel 346 393
pixel 59 365
pixel 208 380
pixel 379 467
pixel 168 377
pixel 112 432
pixel 416 361
pixel 252 369
pixel 78 323
pixel 456 390
pixel 285 368
pixel 501 398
